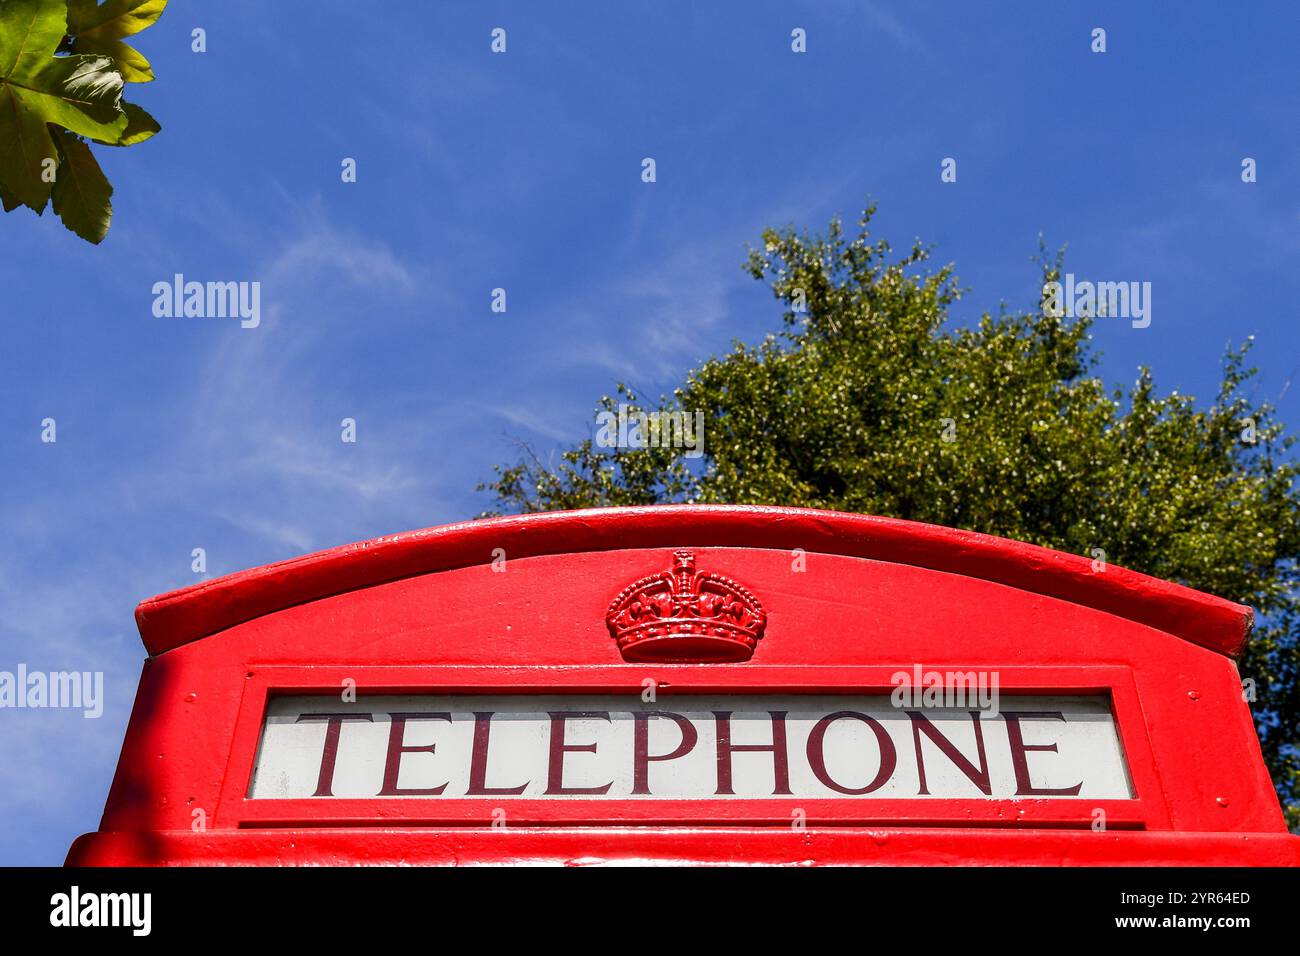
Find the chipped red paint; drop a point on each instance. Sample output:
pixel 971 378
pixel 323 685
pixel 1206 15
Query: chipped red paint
pixel 424 612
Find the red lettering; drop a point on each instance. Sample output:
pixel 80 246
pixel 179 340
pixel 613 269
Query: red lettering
pixel 780 755
pixel 478 762
pixel 979 776
pixel 397 747
pixel 555 770
pixel 641 746
pixel 325 780
pixel 1020 750
pixel 817 754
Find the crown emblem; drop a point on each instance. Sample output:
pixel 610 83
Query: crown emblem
pixel 686 615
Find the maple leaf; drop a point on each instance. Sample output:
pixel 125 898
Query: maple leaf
pixel 49 102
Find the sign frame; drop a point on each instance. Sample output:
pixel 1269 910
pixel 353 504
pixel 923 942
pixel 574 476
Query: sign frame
pixel 1147 809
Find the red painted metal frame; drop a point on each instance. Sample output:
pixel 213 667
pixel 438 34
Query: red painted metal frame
pixel 423 612
pixel 679 846
pixel 1146 809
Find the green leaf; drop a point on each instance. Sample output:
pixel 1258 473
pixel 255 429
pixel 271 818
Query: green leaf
pixel 127 59
pixel 139 126
pixel 99 30
pixel 82 191
pixel 114 19
pixel 8 200
pixel 79 93
pixel 26 152
pixel 48 102
pixel 30 32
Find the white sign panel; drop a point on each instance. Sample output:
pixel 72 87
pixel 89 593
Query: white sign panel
pixel 686 746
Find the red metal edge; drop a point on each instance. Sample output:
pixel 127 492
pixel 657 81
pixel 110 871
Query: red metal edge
pixel 735 846
pixel 179 617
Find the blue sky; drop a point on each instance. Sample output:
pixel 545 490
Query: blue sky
pixel 522 171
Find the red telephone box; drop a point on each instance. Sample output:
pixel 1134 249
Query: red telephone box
pixel 690 684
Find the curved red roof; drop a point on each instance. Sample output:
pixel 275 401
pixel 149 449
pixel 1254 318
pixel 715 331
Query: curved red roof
pixel 179 617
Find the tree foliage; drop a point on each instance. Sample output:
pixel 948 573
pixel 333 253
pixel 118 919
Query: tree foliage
pixel 63 64
pixel 869 400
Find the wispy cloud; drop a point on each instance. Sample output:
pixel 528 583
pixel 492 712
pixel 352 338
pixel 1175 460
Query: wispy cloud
pixel 883 20
pixel 641 323
pixel 251 468
pixel 261 423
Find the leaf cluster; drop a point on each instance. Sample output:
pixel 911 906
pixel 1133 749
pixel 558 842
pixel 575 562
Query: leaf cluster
pixel 63 66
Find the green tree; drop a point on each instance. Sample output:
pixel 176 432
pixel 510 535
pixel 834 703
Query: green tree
pixel 868 400
pixel 62 68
